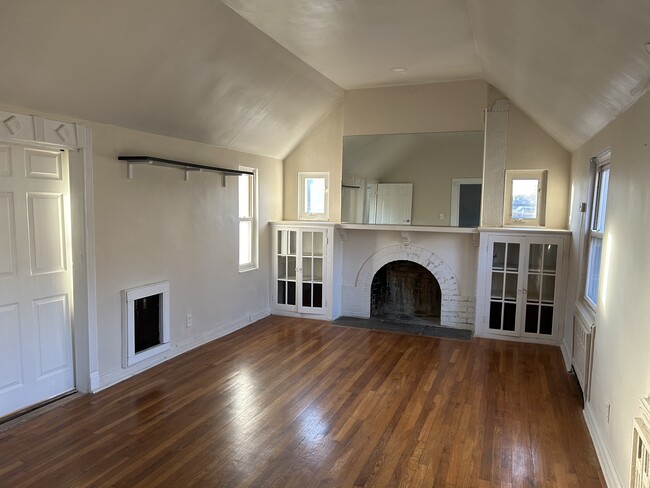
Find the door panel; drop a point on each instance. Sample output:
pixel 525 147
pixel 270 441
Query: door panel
pixel 7 236
pixel 46 232
pixel 394 201
pixel 11 369
pixel 36 359
pixel 52 319
pixel 505 284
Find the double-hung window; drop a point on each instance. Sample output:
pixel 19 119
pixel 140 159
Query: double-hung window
pixel 248 234
pixel 596 228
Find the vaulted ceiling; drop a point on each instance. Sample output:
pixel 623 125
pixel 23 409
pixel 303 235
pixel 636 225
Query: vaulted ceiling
pixel 570 65
pixel 257 75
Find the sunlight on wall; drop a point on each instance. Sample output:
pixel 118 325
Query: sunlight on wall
pixel 571 202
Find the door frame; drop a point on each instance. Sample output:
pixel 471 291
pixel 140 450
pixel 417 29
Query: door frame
pixel 33 130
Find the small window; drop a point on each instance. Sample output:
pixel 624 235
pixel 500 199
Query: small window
pixel 525 197
pixel 248 234
pixel 313 196
pixel 596 229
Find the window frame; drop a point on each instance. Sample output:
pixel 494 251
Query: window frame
pixel 541 175
pixel 302 214
pixel 599 164
pixel 253 264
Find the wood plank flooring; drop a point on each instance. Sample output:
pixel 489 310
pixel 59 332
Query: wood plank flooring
pixel 298 403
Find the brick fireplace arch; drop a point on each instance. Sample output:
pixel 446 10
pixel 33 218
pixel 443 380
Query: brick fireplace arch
pixel 456 310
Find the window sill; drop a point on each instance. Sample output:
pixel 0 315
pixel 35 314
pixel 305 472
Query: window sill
pixel 585 310
pixel 248 267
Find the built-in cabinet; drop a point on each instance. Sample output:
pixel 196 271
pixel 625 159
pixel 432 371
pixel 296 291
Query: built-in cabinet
pixel 302 270
pixel 522 295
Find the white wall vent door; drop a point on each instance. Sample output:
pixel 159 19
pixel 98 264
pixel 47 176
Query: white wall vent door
pixel 36 360
pixel 394 202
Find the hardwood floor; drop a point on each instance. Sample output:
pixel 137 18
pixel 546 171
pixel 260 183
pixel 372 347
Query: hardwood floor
pixel 298 403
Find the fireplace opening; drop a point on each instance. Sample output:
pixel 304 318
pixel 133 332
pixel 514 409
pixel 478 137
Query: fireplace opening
pixel 147 322
pixel 405 291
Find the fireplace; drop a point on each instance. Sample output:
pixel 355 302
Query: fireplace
pixel 405 291
pixel 145 319
pixel 452 308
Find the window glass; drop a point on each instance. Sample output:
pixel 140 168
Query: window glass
pixel 313 196
pixel 524 198
pixel 595 234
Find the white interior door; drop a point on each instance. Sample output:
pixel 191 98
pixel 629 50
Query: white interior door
pixel 394 201
pixel 36 361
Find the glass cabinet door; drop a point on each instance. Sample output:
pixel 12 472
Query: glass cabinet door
pixel 540 289
pixel 312 246
pixel 287 252
pixel 504 271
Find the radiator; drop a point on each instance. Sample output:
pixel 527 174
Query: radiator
pixel 640 475
pixel 583 340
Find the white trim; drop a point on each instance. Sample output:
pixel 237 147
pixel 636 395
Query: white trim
pixel 254 219
pixel 129 355
pixel 541 175
pixel 566 355
pixel 455 196
pixel 19 128
pixel 612 478
pixel 111 378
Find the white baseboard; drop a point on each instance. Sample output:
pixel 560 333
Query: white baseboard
pixel 111 378
pixel 612 478
pixel 566 354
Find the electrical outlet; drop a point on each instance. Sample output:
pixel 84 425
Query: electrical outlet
pixel 608 409
pixel 441 216
pixel 188 320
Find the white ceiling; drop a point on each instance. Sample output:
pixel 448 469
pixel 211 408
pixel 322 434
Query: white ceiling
pixel 569 65
pixel 191 69
pixel 355 43
pixel 259 81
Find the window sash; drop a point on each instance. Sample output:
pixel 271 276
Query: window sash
pixel 510 216
pixel 595 233
pixel 247 231
pixel 308 185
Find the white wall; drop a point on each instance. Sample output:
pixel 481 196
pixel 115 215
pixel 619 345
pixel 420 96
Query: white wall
pixel 433 107
pixel 530 147
pixel 621 373
pixel 321 150
pixel 159 227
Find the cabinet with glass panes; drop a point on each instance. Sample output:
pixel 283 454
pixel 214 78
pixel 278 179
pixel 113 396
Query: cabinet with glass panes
pixel 301 261
pixel 524 284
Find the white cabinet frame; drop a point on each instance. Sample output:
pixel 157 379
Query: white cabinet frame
pixel 298 309
pixel 520 299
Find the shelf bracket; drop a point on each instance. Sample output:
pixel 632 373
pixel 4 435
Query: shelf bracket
pixel 129 167
pixel 188 171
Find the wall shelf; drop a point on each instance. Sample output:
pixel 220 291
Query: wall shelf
pixel 170 163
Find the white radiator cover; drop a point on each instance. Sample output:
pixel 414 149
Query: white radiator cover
pixel 640 471
pixel 583 341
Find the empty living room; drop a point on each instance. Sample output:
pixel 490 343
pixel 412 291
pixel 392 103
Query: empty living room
pixel 342 243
